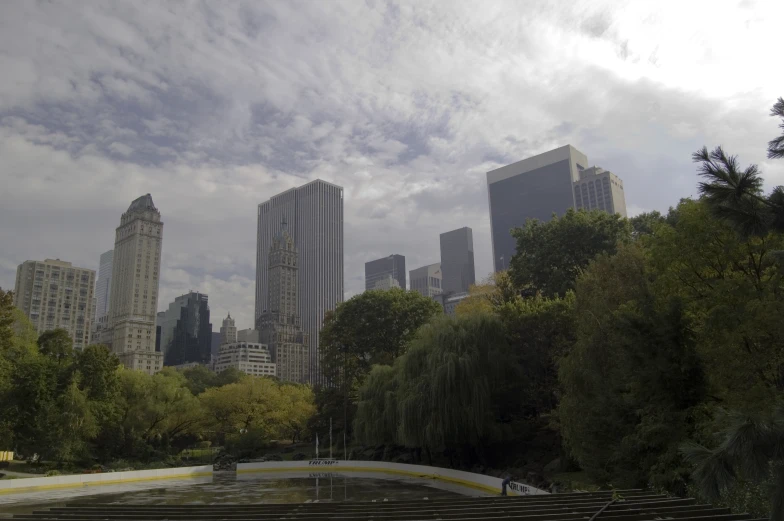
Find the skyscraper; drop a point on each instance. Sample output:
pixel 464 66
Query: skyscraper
pixel 426 280
pixel 134 289
pixel 228 331
pixel 186 331
pixel 543 185
pixel 314 213
pixel 379 269
pixel 457 260
pixel 104 285
pixel 280 327
pixel 55 294
pixel 598 189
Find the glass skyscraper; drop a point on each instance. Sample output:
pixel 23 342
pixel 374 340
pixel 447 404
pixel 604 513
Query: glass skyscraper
pixel 457 260
pixel 378 270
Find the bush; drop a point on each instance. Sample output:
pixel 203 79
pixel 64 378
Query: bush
pixel 299 456
pixel 274 457
pixel 204 444
pixel 4 464
pixel 52 473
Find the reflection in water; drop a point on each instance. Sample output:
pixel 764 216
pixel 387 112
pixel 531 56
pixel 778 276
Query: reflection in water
pixel 226 488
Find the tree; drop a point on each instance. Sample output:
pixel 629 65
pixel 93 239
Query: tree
pixel 776 145
pixel 751 449
pixel 98 368
pixel 488 296
pixel 297 407
pixel 632 379
pixel 374 327
pixel 57 344
pixel 550 255
pixel 645 223
pixel 200 379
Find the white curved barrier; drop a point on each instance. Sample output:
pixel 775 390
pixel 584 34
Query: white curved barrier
pixel 469 479
pixel 113 478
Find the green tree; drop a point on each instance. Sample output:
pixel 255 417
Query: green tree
pixel 550 255
pixel 371 328
pixel 200 379
pixel 58 345
pixel 632 379
pixel 99 372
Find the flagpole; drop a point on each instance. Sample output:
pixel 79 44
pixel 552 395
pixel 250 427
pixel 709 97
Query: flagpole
pixel 317 457
pixel 330 437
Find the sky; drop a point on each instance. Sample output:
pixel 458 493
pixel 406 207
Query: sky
pixel 213 107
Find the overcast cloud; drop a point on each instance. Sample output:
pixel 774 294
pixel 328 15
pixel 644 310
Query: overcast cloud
pixel 213 107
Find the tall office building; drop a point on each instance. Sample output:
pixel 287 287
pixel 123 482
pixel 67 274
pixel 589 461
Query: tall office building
pixel 280 327
pixel 228 331
pixel 314 213
pixel 426 280
pixel 598 189
pixel 134 290
pixel 457 260
pixel 104 285
pixel 55 294
pixel 186 331
pixel 380 269
pixel 543 185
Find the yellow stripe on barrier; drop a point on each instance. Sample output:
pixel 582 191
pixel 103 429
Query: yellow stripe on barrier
pixel 337 470
pixel 98 483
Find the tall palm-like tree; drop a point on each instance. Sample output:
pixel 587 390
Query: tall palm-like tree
pixel 735 194
pixel 753 450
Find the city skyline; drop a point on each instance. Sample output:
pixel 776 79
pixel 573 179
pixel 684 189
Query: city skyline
pixel 407 123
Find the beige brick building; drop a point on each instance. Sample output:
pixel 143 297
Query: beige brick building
pixel 280 327
pixel 55 294
pixel 134 292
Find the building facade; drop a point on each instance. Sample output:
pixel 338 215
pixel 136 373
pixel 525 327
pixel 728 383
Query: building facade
pixel 57 295
pixel 598 189
pixel 103 287
pixel 449 301
pixel 426 280
pixel 249 357
pixel 280 327
pixel 186 331
pixel 380 269
pixel 457 260
pixel 228 331
pixel 544 185
pixel 134 289
pixel 386 283
pixel 248 335
pixel 314 213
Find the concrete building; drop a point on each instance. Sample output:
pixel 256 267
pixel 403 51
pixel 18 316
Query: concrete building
pixel 55 294
pixel 134 289
pixel 228 331
pixel 248 335
pixel 250 358
pixel 457 260
pixel 215 345
pixel 543 185
pixel 449 301
pixel 280 327
pixel 598 189
pixel 314 213
pixel 103 287
pixel 186 331
pixel 380 269
pixel 426 280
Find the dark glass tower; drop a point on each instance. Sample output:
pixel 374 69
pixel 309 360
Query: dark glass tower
pixel 457 260
pixel 186 331
pixel 394 265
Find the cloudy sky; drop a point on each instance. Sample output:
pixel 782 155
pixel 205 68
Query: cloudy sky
pixel 213 107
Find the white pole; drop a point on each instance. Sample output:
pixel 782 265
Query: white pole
pixel 317 450
pixel 345 454
pixel 330 437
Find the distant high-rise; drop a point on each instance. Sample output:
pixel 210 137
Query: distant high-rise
pixel 543 185
pixel 426 280
pixel 228 331
pixel 599 189
pixel 379 269
pixel 280 327
pixel 457 260
pixel 186 331
pixel 215 345
pixel 134 290
pixel 57 295
pixel 314 213
pixel 103 287
pixel 388 282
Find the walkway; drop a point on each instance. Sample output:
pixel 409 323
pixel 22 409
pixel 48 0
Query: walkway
pixel 637 505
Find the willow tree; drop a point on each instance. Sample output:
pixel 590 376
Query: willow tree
pixel 376 419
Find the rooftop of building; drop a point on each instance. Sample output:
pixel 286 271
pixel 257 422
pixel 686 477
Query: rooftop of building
pixel 141 204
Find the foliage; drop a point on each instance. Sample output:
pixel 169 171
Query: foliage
pixel 200 378
pixel 486 297
pixel 550 255
pixel 632 378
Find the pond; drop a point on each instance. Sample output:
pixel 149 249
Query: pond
pixel 226 487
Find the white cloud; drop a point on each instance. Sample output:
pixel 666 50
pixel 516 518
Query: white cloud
pixel 213 109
